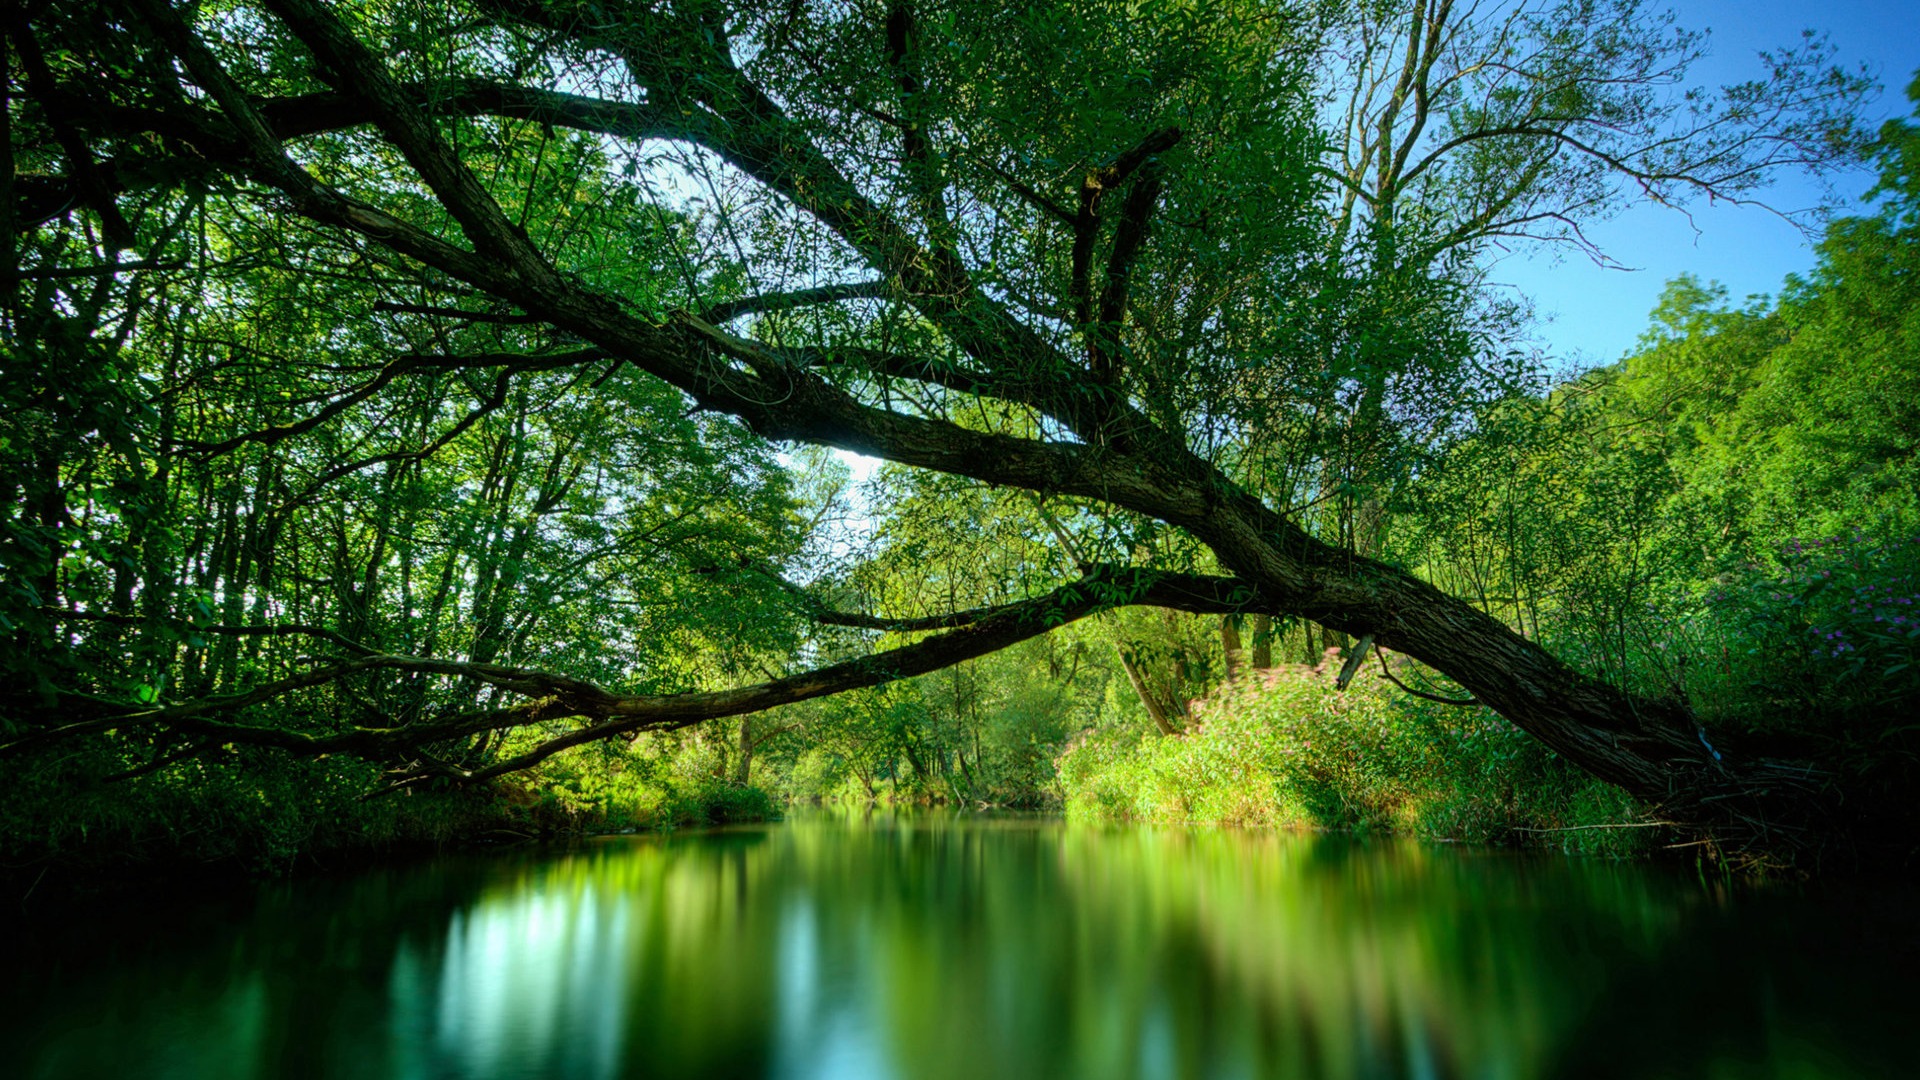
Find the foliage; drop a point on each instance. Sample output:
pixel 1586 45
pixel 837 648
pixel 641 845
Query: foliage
pixel 419 383
pixel 1826 634
pixel 1655 521
pixel 652 783
pixel 260 812
pixel 1285 748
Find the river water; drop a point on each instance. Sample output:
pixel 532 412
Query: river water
pixel 975 946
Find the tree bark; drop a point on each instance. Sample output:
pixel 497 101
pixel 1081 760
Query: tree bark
pixel 1230 645
pixel 743 761
pixel 1156 709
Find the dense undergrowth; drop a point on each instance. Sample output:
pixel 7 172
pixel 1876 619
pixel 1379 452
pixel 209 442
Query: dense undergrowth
pixel 264 814
pixel 1809 654
pixel 1285 748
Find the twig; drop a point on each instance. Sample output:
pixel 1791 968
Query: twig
pixel 502 318
pixel 36 884
pixel 1388 672
pixel 1620 825
pixel 100 270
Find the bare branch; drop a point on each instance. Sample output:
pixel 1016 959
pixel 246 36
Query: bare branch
pixel 99 270
pixel 1388 672
pixel 513 362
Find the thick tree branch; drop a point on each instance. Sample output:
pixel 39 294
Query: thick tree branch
pixel 1129 240
pixel 92 187
pixel 259 151
pixel 924 174
pixel 347 63
pixel 1196 593
pixel 551 696
pixel 1086 222
pixel 989 632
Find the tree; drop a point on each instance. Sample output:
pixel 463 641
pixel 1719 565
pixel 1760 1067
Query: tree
pixel 1089 252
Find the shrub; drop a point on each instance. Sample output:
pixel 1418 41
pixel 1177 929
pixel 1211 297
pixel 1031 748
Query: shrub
pixel 1286 748
pixel 1826 633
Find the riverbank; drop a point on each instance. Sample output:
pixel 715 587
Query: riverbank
pixel 268 820
pixel 1286 748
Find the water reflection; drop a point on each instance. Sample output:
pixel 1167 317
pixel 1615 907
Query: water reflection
pixel 968 947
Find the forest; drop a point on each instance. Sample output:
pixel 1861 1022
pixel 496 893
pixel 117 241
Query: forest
pixel 439 422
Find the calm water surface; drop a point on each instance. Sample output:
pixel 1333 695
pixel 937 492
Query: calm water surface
pixel 974 947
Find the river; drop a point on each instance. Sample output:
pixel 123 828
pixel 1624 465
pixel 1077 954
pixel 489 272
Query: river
pixel 947 945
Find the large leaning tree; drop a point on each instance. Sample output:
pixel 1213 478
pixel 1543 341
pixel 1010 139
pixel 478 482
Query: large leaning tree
pixel 1208 268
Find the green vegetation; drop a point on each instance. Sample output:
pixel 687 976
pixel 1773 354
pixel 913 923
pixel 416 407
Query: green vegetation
pixel 418 422
pixel 1727 517
pixel 1288 749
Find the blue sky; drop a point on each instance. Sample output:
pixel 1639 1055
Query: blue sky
pixel 1596 314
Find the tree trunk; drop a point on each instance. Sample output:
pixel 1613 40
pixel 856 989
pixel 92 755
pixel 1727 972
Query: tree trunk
pixel 1155 707
pixel 743 764
pixel 1236 654
pixel 1262 642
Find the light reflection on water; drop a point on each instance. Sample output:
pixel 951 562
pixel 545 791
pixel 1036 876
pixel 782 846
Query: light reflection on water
pixel 950 946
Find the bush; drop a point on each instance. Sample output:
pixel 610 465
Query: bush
pixel 1825 635
pixel 262 813
pixel 256 811
pixel 651 783
pixel 1284 748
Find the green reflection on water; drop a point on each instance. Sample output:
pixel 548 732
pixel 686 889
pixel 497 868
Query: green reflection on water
pixel 949 946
